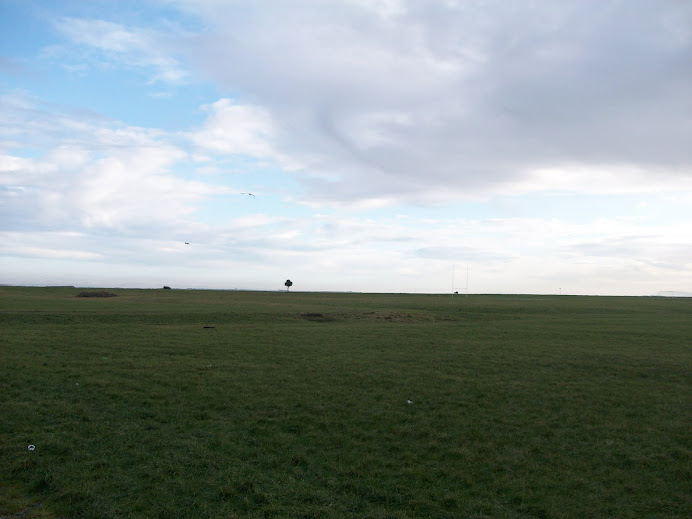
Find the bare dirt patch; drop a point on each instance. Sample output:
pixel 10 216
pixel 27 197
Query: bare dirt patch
pixel 394 316
pixel 390 316
pixel 101 293
pixel 315 316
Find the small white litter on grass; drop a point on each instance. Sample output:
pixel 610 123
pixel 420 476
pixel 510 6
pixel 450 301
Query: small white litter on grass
pixel 31 447
pixel 409 402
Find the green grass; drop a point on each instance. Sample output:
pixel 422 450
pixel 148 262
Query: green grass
pixel 295 405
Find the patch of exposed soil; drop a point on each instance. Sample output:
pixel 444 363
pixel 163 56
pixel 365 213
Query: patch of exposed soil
pixel 393 316
pixel 365 316
pixel 314 316
pixel 101 293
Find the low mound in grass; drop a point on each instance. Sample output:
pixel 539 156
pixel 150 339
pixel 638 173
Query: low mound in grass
pixel 101 293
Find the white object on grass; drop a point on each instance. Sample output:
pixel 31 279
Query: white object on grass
pixel 31 447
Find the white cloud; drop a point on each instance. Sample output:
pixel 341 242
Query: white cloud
pixel 133 47
pixel 236 129
pixel 94 173
pixel 135 188
pixel 335 252
pixel 58 253
pixel 373 103
pixel 409 101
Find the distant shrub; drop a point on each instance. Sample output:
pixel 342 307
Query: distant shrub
pixel 101 293
pixel 166 288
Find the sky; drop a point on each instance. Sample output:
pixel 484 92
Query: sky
pixel 424 146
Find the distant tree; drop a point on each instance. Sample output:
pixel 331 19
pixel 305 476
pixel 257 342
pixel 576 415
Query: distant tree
pixel 288 284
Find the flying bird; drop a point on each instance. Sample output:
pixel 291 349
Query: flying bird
pixel 187 243
pixel 249 194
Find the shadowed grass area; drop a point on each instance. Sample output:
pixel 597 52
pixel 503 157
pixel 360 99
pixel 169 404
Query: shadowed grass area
pixel 247 404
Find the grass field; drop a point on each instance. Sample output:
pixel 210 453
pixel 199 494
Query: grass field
pixel 186 404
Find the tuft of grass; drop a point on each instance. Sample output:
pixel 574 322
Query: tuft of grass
pixel 246 404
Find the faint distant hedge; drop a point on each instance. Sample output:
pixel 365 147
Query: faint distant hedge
pixel 102 293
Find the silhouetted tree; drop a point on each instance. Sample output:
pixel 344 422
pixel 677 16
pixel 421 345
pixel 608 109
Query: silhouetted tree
pixel 288 284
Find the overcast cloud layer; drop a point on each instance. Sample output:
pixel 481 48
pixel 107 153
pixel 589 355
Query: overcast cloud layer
pixel 545 144
pixel 426 100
